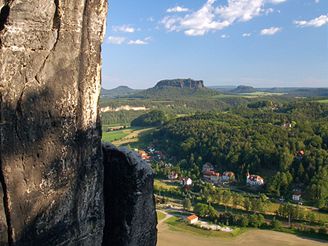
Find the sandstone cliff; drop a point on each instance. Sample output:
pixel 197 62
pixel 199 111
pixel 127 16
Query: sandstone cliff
pixel 129 201
pixel 51 169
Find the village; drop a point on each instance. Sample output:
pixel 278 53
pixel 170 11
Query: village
pixel 222 201
pixel 227 179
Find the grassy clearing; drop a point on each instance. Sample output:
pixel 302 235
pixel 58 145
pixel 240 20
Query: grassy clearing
pixel 249 95
pixel 164 186
pixel 160 216
pixel 176 224
pixel 323 101
pixel 135 135
pixel 115 135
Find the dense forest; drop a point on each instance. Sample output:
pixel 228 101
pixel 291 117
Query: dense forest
pixel 287 144
pixel 174 106
pixel 153 118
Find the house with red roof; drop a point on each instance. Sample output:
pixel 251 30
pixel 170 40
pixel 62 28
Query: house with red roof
pixel 254 180
pixel 211 176
pixel 192 219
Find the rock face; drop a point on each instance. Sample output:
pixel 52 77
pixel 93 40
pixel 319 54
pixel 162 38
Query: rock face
pixel 129 201
pixel 51 165
pixel 180 83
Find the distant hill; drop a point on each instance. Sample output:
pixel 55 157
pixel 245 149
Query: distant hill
pixel 243 89
pixel 176 88
pixel 121 91
pixel 300 92
pixel 223 88
pixel 180 83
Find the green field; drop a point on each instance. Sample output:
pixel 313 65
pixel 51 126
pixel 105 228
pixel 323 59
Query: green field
pixel 159 185
pixel 114 136
pixel 177 224
pixel 248 95
pixel 323 101
pixel 160 215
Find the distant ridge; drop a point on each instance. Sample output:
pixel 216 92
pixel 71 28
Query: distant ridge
pixel 180 83
pixel 176 88
pixel 121 91
pixel 243 89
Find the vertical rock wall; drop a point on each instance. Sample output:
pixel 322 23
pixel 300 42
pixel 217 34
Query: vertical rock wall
pixel 130 212
pixel 51 171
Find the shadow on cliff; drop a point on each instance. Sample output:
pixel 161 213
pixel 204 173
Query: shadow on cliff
pixel 52 174
pixel 47 164
pixel 130 213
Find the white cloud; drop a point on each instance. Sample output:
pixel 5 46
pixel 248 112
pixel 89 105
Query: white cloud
pixel 277 1
pixel 177 9
pixel 116 40
pixel 137 42
pixel 269 11
pixel 140 41
pixel 247 34
pixel 317 22
pixel 212 18
pixel 225 36
pixel 122 40
pixel 270 31
pixel 316 1
pixel 124 28
pixel 243 10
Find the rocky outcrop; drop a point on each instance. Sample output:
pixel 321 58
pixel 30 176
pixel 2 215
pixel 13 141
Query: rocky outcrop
pixel 51 165
pixel 129 201
pixel 180 83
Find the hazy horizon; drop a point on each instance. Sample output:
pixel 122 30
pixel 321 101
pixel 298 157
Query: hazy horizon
pixel 262 43
pixel 217 85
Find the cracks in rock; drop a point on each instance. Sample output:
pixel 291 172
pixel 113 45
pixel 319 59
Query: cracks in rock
pixel 56 25
pixel 4 14
pixel 2 178
pixel 6 206
pixel 19 110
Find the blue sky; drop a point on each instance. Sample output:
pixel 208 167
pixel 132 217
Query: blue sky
pixel 263 43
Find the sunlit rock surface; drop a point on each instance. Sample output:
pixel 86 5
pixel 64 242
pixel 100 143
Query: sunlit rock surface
pixel 51 169
pixel 51 161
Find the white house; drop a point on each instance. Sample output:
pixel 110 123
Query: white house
pixel 212 176
pixel 297 196
pixel 186 181
pixel 192 219
pixel 254 180
pixel 228 177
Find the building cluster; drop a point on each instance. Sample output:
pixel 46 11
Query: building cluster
pixel 150 154
pixel 254 180
pixel 185 182
pixel 210 175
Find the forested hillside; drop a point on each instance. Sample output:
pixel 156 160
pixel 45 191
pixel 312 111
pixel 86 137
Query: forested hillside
pixel 287 144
